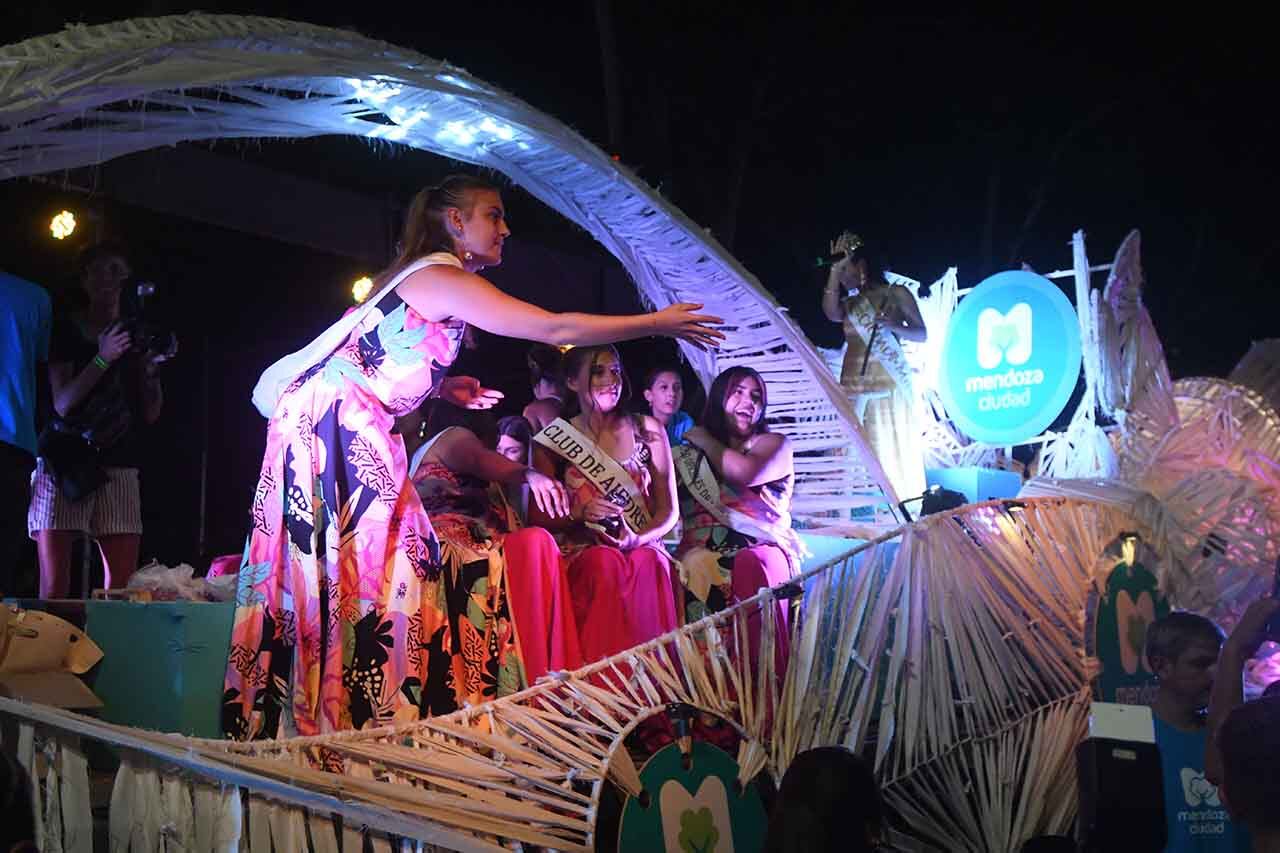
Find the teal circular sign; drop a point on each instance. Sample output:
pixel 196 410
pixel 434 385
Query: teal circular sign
pixel 1011 358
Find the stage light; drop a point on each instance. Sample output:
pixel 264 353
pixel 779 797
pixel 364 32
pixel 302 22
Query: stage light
pixel 360 288
pixel 63 225
pixel 564 348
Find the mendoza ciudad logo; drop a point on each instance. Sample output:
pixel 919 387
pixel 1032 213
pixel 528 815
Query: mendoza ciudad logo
pixel 1011 358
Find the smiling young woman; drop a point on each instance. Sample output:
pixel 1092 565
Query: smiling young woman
pixel 617 468
pixel 736 480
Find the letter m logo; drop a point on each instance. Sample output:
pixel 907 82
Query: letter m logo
pixel 1004 337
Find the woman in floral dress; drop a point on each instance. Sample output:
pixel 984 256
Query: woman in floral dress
pixel 340 589
pixel 510 615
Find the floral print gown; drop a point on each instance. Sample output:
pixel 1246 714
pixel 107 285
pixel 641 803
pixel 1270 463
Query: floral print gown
pixel 340 597
pixel 471 522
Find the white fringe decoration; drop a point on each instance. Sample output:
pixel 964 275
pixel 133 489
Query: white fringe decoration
pixel 955 646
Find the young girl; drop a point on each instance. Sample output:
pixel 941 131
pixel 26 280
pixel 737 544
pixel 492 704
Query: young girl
pixel 664 392
pixel 736 480
pixel 617 468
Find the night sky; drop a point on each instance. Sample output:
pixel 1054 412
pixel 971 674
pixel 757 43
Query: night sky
pixel 947 139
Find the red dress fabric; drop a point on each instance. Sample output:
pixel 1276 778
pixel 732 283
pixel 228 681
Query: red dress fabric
pixel 620 598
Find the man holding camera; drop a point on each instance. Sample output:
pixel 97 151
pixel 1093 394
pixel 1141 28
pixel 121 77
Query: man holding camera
pixel 104 377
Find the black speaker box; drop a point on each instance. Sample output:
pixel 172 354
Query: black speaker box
pixel 1121 796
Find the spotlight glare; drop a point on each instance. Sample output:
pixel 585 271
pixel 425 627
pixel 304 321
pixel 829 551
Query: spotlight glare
pixel 360 288
pixel 63 225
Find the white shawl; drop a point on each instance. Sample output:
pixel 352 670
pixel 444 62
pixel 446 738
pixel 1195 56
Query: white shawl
pixel 279 376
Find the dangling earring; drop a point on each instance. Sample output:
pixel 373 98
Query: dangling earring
pixel 422 430
pixel 467 256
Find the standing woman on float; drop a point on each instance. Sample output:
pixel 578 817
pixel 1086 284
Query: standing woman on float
pixel 341 581
pixel 877 317
pixel 736 481
pixel 622 494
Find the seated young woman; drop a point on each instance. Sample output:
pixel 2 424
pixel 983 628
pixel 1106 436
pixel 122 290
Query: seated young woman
pixel 736 480
pixel 617 469
pixel 515 437
pixel 506 595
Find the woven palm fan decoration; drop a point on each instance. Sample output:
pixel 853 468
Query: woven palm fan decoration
pixel 1260 370
pixel 1198 458
pixel 90 94
pixel 952 651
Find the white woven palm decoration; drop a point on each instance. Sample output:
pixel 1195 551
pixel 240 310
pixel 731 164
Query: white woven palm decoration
pixel 1260 370
pixel 89 94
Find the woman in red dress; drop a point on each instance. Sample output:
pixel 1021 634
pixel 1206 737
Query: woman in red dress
pixel 622 493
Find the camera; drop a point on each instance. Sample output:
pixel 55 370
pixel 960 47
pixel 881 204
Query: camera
pixel 612 525
pixel 139 320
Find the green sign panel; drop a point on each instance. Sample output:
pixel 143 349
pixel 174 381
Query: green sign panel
pixel 697 810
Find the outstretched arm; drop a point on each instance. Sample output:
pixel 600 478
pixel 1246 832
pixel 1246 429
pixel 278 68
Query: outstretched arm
pixel 544 464
pixel 767 459
pixel 439 292
pixel 460 450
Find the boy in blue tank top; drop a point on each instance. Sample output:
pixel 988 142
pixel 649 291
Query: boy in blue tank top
pixel 1183 650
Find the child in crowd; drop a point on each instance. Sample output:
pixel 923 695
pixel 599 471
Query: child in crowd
pixel 1183 650
pixel 664 392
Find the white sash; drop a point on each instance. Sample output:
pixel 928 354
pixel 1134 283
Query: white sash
pixel 700 481
pixel 886 348
pixel 279 376
pixel 599 468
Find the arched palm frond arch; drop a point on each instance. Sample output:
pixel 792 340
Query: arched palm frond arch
pixel 93 93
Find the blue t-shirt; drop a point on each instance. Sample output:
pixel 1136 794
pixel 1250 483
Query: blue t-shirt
pixel 680 424
pixel 1198 821
pixel 25 320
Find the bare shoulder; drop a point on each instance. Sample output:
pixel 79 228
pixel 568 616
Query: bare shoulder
pixel 435 273
pixel 451 438
pixel 649 429
pixel 769 442
pixel 432 290
pixel 902 294
pixel 545 411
